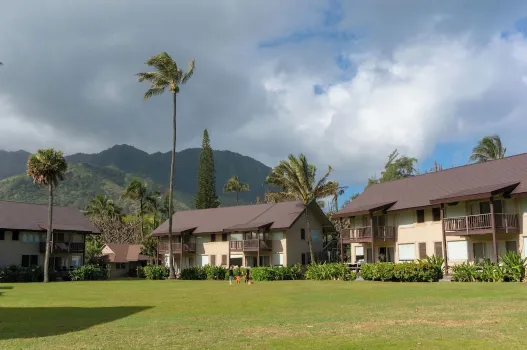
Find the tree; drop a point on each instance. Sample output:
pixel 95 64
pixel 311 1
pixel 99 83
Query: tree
pixel 152 205
pixel 206 197
pixel 164 210
pixel 339 192
pixel 93 252
pixel 167 75
pixel 296 179
pixel 48 167
pixel 397 167
pixel 136 191
pixel 150 248
pixel 488 148
pixel 101 205
pixel 234 185
pixel 350 199
pixel 435 168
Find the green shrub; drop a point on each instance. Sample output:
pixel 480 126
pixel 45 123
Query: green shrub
pixel 366 271
pixel 194 273
pixel 383 271
pixel 275 273
pixel 216 272
pixel 331 271
pixel 464 272
pixel 140 272
pixel 513 267
pixel 16 273
pixel 89 273
pixel 155 272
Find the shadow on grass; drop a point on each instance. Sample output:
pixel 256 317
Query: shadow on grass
pixel 4 287
pixel 35 322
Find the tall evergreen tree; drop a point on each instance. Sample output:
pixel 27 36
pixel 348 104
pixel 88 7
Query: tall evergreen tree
pixel 206 197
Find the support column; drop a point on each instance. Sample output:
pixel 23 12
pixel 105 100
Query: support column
pixel 258 255
pixel 340 241
pixel 372 239
pixel 445 252
pixel 493 224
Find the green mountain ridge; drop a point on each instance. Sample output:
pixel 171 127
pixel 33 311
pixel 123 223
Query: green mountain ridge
pixel 111 170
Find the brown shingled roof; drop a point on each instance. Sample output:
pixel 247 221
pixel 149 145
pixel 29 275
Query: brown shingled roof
pixel 279 215
pixel 34 217
pixel 424 190
pixel 125 253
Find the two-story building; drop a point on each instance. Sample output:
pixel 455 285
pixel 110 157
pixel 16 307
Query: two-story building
pixel 246 235
pixel 23 228
pixel 467 213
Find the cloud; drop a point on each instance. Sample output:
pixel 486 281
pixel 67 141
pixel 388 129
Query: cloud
pixel 343 82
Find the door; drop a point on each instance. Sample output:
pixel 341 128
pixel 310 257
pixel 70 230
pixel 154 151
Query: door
pixel 204 260
pixel 479 252
pixel 498 210
pixel 386 254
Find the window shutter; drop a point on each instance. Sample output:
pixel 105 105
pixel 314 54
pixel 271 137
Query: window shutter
pixel 438 249
pixel 436 214
pixel 213 237
pixel 302 234
pixel 422 251
pixel 303 259
pixel 420 216
pixel 224 260
pixel 223 237
pixel 213 260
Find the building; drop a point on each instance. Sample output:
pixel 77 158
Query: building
pixel 23 229
pixel 245 235
pixel 123 259
pixel 467 213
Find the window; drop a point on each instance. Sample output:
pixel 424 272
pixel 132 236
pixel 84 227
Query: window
pixel 59 237
pixel 29 237
pixel 278 259
pixel 436 214
pixel 385 254
pixel 264 261
pixel 457 250
pixel 118 266
pixel 2 235
pixel 202 239
pixel 359 254
pixel 511 246
pixel 407 251
pixel 236 236
pixel 276 236
pixel 303 259
pixel 422 251
pixel 29 260
pixel 480 252
pixel 420 216
pixel 302 234
pixel 224 237
pixel 438 249
pixel 213 260
pixel 213 237
pixel 308 258
pixel 314 235
pixel 14 235
pixel 76 261
pixel 224 259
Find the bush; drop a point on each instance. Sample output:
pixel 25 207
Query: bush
pixel 89 273
pixel 216 272
pixel 276 273
pixel 513 267
pixel 155 272
pixel 429 270
pixel 332 271
pixel 16 273
pixel 194 273
pixel 510 269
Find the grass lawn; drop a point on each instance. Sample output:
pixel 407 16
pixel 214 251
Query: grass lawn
pixel 291 314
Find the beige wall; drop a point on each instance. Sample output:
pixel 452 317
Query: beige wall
pixel 295 246
pixel 11 251
pixel 114 272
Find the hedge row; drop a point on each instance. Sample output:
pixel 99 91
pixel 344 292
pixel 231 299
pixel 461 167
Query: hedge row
pixel 510 269
pixel 422 271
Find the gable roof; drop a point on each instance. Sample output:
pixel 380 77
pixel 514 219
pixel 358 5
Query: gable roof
pixel 34 217
pixel 481 180
pixel 125 253
pixel 240 218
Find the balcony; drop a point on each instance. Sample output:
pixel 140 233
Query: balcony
pixel 189 247
pixel 63 247
pixel 250 245
pixel 481 224
pixel 363 234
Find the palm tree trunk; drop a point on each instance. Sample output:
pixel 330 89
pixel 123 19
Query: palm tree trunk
pixel 172 274
pixel 237 198
pixel 308 230
pixel 48 234
pixel 142 218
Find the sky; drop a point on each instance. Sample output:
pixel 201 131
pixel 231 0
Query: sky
pixel 344 82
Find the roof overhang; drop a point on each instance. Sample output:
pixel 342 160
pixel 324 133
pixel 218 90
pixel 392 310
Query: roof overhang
pixel 364 210
pixel 251 226
pixel 476 193
pixel 179 231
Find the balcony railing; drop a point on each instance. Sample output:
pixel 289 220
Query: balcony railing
pixel 176 247
pixel 482 222
pixel 363 234
pixel 250 245
pixel 384 232
pixel 63 247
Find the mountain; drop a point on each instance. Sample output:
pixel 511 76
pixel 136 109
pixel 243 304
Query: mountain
pixel 110 170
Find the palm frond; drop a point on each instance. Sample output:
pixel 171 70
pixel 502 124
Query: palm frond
pixel 154 92
pixel 189 72
pixel 47 166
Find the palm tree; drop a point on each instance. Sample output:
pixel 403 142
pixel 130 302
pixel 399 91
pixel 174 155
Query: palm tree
pixel 167 75
pixel 101 205
pixel 296 179
pixel 339 192
pixel 234 185
pixel 488 148
pixel 48 167
pixel 152 205
pixel 136 191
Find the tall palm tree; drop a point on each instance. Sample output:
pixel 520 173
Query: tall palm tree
pixel 234 185
pixel 339 192
pixel 167 75
pixel 488 148
pixel 296 179
pixel 152 205
pixel 48 167
pixel 101 205
pixel 137 191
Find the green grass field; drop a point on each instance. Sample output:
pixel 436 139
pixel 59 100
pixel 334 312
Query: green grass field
pixel 298 314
